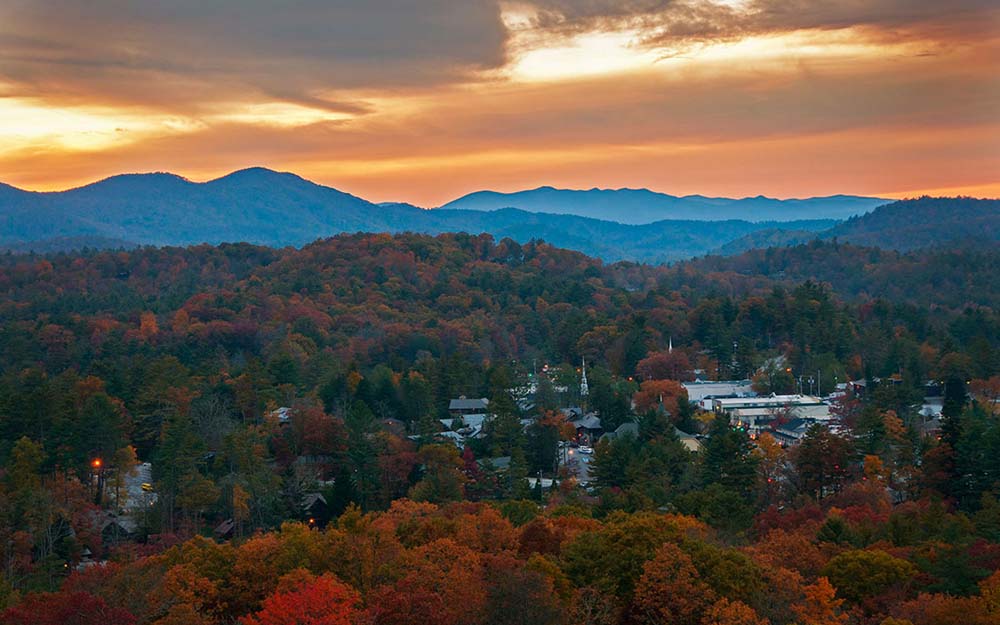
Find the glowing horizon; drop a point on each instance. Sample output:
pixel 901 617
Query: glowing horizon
pixel 733 99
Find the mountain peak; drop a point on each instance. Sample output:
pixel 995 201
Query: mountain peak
pixel 258 174
pixel 135 180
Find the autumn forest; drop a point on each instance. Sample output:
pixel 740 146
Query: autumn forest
pixel 227 434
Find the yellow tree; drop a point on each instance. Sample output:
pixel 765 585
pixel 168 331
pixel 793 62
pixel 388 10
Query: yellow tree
pixel 772 459
pixel 821 605
pixel 726 612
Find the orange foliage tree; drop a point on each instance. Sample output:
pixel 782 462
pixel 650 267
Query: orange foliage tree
pixel 821 606
pixel 670 590
pixel 441 584
pixel 653 394
pixel 303 599
pixel 726 612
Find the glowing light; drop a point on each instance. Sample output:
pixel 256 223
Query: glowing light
pixel 540 57
pixel 25 122
pixel 590 54
pixel 280 114
pixel 838 45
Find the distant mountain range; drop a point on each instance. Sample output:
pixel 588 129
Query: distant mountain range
pixel 642 206
pixel 279 209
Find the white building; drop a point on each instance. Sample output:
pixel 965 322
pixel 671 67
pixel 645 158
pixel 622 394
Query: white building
pixel 700 391
pixel 760 413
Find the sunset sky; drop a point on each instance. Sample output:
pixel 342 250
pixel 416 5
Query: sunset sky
pixel 425 100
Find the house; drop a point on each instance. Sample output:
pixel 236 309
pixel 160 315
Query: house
pixel 119 530
pixel 588 427
pixel 225 530
pixel 571 413
pixel 690 441
pixel 629 428
pixel 462 427
pixel 454 437
pixel 473 421
pixel 283 415
pixel 315 509
pixel 931 408
pixel 464 406
pixel 114 528
pixel 792 432
pixel 547 482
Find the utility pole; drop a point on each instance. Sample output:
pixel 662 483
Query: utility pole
pixel 98 467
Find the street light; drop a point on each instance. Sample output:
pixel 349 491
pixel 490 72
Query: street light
pixel 96 464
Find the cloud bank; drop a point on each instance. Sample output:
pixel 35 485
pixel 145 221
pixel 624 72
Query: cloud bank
pixel 422 101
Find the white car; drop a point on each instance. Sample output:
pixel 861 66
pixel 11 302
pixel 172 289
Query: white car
pixel 586 450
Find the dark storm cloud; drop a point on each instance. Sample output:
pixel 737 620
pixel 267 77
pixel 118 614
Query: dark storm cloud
pixel 671 21
pixel 185 52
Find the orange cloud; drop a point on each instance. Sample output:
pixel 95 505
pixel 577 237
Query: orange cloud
pixel 883 97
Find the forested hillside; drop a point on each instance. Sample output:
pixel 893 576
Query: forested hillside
pixel 182 357
pixel 924 222
pixel 951 278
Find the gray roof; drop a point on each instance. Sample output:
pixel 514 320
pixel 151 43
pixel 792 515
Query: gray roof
pixel 797 425
pixel 477 403
pixel 589 421
pixel 501 463
pixel 474 420
pixel 103 519
pixel 311 499
pixel 629 428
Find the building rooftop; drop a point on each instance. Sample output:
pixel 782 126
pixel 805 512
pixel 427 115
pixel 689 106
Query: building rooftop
pixel 728 403
pixel 589 421
pixel 476 403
